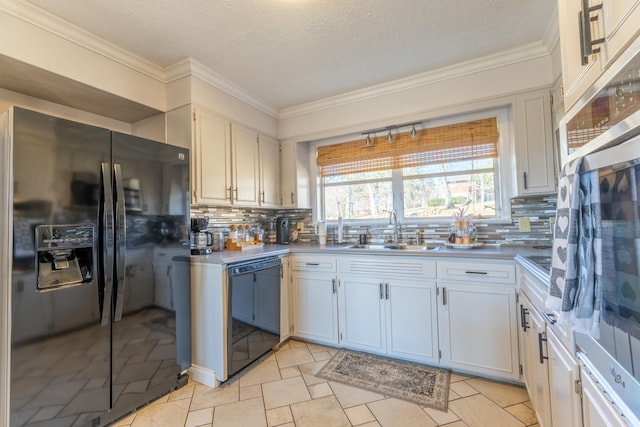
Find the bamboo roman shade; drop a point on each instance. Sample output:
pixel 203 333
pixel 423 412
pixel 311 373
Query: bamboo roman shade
pixel 476 139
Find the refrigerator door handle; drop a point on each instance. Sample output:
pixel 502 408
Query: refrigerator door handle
pixel 121 240
pixel 105 238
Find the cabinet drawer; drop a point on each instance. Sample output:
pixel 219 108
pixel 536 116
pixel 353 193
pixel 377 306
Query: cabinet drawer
pixel 388 267
pixel 314 263
pixel 483 271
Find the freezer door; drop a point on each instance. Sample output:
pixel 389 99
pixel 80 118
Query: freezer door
pixel 60 356
pixel 151 185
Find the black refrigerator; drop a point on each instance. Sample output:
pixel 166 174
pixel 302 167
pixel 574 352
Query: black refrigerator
pixel 100 321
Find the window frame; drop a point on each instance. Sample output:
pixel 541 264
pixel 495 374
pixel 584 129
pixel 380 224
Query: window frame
pixel 501 166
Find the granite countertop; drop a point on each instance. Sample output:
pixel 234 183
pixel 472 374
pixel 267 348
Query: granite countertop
pixel 503 252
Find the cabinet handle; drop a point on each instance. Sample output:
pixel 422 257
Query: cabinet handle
pixel 333 283
pixel 262 194
pixel 386 290
pixel 523 318
pixel 236 194
pixel 381 291
pixel 444 296
pixel 540 350
pixel 230 194
pixel 312 264
pixel 483 273
pixel 584 23
pixel 549 317
pixel 292 201
pixel 524 177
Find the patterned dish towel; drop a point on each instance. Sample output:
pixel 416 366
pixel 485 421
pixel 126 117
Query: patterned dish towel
pixel 575 288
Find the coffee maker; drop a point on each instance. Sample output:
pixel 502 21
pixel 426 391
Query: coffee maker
pixel 201 239
pixel 282 230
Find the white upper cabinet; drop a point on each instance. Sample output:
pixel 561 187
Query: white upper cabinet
pixel 211 159
pixel 269 171
pixel 245 155
pixel 294 179
pixel 577 74
pixel 621 23
pixel 536 172
pixel 612 24
pixel 232 164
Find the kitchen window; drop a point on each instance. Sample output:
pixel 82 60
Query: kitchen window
pixel 426 177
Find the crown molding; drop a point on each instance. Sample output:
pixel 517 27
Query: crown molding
pixel 501 59
pixel 51 23
pixel 191 67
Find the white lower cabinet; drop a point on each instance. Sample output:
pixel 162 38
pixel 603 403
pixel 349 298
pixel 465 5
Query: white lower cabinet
pixel 314 289
pixel 387 305
pixel 391 316
pixel 564 380
pixel 285 300
pixel 390 305
pixel 597 410
pixel 477 329
pixel 535 366
pixel 316 311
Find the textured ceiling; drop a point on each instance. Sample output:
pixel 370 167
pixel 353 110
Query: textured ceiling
pixel 289 52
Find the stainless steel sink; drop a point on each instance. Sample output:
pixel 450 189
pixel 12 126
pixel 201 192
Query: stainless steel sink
pixel 395 246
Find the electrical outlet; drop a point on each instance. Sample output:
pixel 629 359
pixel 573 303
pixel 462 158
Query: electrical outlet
pixel 552 223
pixel 300 226
pixel 524 225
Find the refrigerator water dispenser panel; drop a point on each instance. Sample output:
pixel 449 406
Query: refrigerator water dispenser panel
pixel 64 255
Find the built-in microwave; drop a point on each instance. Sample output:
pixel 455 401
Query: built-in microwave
pixel 608 112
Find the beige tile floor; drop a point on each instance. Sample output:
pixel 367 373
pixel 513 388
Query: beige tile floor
pixel 283 391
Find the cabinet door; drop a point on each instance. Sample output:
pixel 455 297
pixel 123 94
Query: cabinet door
pixel 597 410
pixel 478 329
pixel 362 313
pixel 211 161
pixel 294 178
pixel 269 172
pixel 534 144
pixel 245 154
pixel 526 351
pixel 564 372
pixel 288 181
pixel 285 300
pixel 622 21
pixel 576 77
pixel 411 321
pixel 315 307
pixel 539 393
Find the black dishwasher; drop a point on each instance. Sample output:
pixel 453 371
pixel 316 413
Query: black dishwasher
pixel 254 311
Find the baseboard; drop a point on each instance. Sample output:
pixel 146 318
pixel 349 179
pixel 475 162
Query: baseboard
pixel 203 376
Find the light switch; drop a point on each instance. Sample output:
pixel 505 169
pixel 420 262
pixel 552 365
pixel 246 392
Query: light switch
pixel 524 225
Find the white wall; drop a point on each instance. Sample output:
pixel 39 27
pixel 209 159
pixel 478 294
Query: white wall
pixel 219 101
pixel 51 49
pixel 420 102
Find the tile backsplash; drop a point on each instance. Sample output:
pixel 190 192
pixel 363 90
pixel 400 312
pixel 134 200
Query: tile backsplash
pixel 538 210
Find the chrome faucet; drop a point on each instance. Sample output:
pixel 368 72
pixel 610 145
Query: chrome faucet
pixel 393 220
